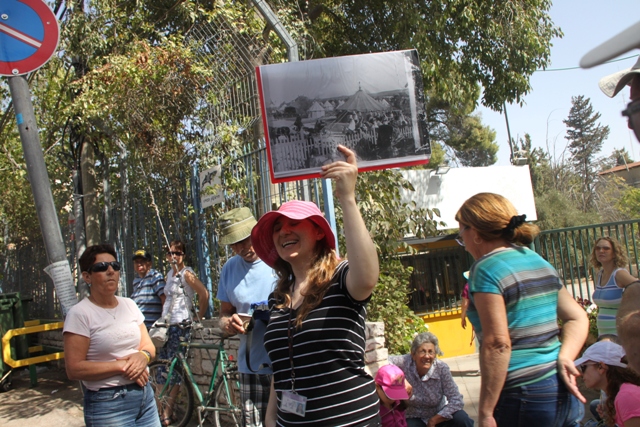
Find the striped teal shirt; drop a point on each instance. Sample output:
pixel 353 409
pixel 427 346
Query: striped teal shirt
pixel 529 286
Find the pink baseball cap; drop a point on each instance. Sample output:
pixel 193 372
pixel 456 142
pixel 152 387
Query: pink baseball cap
pixel 391 379
pixel 262 233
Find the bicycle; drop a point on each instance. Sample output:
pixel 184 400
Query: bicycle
pixel 176 389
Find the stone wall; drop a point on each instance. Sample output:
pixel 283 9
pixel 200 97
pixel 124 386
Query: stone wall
pixel 201 360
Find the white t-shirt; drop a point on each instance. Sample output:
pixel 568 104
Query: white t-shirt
pixel 180 309
pixel 113 333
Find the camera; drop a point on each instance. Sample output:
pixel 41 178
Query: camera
pixel 259 311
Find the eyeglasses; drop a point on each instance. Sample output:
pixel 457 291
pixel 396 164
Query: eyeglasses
pixel 101 267
pixel 175 253
pixel 583 367
pixel 459 236
pixel 633 113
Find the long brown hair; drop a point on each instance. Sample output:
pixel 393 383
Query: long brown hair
pixel 319 277
pixel 616 376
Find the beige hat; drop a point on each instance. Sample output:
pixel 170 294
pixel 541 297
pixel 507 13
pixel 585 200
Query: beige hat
pixel 236 225
pixel 614 83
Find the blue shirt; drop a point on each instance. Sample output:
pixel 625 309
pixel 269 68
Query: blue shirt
pixel 146 294
pixel 242 284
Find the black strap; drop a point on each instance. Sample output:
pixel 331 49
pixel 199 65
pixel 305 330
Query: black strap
pixel 247 357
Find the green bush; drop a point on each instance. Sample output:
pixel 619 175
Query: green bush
pixel 389 305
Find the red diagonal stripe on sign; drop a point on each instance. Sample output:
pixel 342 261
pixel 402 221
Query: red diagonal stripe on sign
pixel 20 36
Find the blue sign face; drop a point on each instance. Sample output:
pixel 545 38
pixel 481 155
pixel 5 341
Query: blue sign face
pixel 28 35
pixel 21 33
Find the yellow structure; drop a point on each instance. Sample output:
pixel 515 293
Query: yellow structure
pixel 454 341
pixel 6 347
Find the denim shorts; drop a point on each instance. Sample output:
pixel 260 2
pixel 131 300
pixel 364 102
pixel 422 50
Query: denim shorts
pixel 122 406
pixel 546 401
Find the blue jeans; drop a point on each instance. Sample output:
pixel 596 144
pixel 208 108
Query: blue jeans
pixel 547 402
pixel 123 406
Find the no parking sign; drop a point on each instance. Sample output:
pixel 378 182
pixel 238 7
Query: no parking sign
pixel 29 36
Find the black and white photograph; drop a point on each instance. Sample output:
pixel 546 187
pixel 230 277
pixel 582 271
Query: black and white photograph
pixel 371 103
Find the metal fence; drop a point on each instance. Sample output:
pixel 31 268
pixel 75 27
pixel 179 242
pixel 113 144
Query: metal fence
pixel 437 281
pixel 569 251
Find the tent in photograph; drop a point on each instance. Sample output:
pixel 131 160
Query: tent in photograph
pixel 361 101
pixel 316 110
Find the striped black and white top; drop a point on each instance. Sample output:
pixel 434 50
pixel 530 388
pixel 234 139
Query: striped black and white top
pixel 328 358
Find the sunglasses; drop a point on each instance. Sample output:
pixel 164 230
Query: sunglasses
pixel 101 267
pixel 583 368
pixel 632 112
pixel 175 253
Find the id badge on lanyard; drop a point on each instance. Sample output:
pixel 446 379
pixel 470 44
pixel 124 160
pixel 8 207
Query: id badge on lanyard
pixel 291 401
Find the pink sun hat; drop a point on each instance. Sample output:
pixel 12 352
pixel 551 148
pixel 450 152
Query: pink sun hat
pixel 262 233
pixel 391 379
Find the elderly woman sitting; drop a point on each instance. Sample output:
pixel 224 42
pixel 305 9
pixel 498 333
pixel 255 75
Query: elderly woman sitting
pixel 436 400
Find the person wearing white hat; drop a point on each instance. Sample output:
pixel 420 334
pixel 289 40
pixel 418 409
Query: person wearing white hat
pixel 628 316
pixel 604 367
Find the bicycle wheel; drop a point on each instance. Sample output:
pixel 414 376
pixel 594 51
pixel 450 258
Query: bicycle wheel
pixel 228 406
pixel 175 402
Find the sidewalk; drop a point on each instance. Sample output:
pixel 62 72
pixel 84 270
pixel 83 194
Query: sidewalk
pixel 466 375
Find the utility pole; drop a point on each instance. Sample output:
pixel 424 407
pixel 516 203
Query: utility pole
pixel 58 267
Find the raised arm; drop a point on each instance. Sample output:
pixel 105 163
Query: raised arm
pixel 363 258
pixel 203 294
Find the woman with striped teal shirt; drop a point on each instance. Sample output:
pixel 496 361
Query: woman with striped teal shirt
pixel 516 299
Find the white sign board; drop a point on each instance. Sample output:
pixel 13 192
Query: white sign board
pixel 447 189
pixel 211 178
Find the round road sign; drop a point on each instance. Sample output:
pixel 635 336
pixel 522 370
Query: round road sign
pixel 29 36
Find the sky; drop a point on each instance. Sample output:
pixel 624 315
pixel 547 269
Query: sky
pixel 585 24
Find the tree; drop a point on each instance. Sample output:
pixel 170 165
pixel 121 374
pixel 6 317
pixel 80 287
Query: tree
pixel 462 43
pixel 585 136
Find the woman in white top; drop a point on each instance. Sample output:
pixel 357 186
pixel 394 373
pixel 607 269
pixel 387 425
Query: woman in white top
pixel 107 347
pixel 181 285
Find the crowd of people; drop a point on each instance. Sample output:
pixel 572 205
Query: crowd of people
pixel 304 363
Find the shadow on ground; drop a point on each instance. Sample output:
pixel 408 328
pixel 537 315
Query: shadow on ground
pixel 55 401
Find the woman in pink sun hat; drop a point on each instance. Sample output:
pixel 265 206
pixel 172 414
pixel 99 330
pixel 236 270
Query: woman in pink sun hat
pixel 316 334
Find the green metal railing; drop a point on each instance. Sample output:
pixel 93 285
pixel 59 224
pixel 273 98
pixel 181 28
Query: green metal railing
pixel 569 251
pixel 437 281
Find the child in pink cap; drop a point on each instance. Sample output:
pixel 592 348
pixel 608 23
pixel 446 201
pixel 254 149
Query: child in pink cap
pixel 392 389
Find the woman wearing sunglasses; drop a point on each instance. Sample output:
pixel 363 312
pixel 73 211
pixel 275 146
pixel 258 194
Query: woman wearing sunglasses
pixel 107 347
pixel 604 367
pixel 181 286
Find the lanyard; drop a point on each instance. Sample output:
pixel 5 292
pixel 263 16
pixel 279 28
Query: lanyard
pixel 290 341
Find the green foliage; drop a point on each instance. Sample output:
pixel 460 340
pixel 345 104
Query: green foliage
pixel 585 136
pixel 389 305
pixel 461 43
pixel 629 203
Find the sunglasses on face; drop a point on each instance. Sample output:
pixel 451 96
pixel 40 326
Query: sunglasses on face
pixel 583 368
pixel 632 112
pixel 101 267
pixel 175 253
